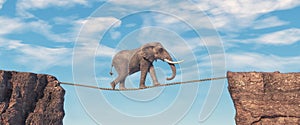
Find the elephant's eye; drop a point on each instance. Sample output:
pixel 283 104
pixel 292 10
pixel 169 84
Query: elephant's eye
pixel 160 50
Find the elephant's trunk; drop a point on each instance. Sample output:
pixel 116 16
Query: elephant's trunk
pixel 173 71
pixel 172 65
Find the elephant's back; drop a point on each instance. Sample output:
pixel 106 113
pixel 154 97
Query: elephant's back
pixel 123 56
pixel 124 53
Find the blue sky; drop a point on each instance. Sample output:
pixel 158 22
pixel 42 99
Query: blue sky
pixel 75 40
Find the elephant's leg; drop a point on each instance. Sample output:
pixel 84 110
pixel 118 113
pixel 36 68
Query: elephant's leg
pixel 143 78
pixel 144 68
pixel 113 84
pixel 120 79
pixel 153 75
pixel 122 69
pixel 122 84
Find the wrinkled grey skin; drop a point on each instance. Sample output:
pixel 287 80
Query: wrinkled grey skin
pixel 127 62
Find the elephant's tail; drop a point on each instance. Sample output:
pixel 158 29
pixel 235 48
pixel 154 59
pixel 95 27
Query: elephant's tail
pixel 111 73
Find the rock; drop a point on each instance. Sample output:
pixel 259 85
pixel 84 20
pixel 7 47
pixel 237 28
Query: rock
pixel 31 99
pixel 262 98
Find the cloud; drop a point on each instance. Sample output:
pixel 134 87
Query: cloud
pixel 19 26
pixel 228 17
pixel 130 25
pixel 268 22
pixel 36 57
pixel 233 15
pixel 115 34
pixel 134 3
pixel 283 37
pixel 246 61
pixel 33 4
pixel 1 3
pixel 91 32
pixel 66 20
pixel 42 57
pixel 179 16
pixel 94 26
pixel 44 28
pixel 105 51
pixel 10 25
pixel 24 5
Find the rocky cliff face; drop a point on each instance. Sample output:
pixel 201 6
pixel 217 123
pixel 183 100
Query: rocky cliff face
pixel 31 99
pixel 265 98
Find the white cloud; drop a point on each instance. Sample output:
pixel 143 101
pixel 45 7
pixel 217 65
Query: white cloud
pixel 283 37
pixel 23 6
pixel 10 25
pixel 233 15
pixel 229 17
pixel 36 57
pixel 115 34
pixel 166 21
pixel 91 32
pixel 134 3
pixel 105 51
pixel 65 20
pixel 44 29
pixel 1 3
pixel 130 25
pixel 16 25
pixel 259 62
pixel 207 41
pixel 179 16
pixel 268 22
pixel 96 25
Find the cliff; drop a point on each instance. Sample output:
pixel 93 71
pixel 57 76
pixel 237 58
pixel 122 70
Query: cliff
pixel 262 98
pixel 28 98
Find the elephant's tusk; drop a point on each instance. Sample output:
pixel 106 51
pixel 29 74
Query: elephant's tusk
pixel 168 61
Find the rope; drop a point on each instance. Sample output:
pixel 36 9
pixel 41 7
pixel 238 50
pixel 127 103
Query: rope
pixel 132 89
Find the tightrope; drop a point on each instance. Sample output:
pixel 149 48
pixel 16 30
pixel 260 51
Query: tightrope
pixel 147 87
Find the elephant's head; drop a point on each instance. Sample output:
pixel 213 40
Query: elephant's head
pixel 153 51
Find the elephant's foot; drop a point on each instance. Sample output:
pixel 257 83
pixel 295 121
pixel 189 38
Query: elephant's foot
pixel 122 88
pixel 113 85
pixel 142 86
pixel 156 83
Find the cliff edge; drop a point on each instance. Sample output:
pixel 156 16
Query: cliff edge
pixel 262 98
pixel 28 98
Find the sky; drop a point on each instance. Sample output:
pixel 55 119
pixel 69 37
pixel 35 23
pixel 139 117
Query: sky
pixel 75 40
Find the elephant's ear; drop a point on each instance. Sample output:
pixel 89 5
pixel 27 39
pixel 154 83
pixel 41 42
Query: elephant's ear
pixel 147 53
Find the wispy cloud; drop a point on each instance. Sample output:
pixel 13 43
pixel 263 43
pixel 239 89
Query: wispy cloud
pixel 23 6
pixel 281 37
pixel 233 15
pixel 19 26
pixel 45 29
pixel 246 61
pixel 94 26
pixel 143 3
pixel 268 23
pixel 1 3
pixel 10 25
pixel 91 31
pixel 36 57
pixel 42 57
pixel 105 51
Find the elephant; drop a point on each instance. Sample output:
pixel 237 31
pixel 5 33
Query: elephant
pixel 127 62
